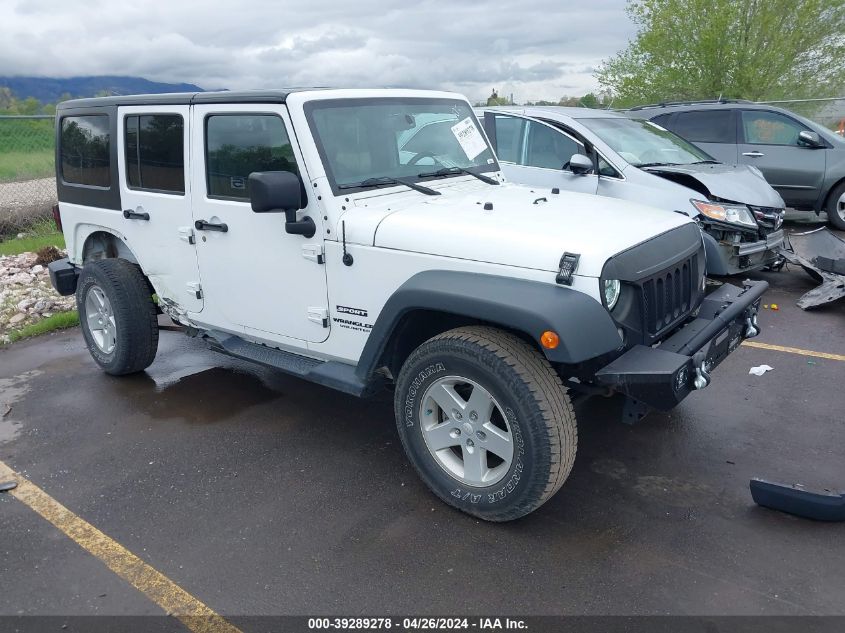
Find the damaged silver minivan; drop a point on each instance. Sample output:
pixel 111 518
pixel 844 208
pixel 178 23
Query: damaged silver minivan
pixel 608 154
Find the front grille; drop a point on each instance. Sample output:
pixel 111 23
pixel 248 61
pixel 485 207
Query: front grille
pixel 769 219
pixel 667 296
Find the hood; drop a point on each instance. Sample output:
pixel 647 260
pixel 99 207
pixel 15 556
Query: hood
pixel 518 226
pixel 731 183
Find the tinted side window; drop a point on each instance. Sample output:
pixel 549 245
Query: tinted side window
pixel 705 126
pixel 606 169
pixel 85 150
pixel 237 145
pixel 155 152
pixel 549 148
pixel 509 134
pixel 770 128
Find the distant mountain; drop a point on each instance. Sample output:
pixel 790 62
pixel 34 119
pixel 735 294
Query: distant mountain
pixel 49 89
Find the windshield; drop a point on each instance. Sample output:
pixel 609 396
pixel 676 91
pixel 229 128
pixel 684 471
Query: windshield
pixel 371 142
pixel 643 143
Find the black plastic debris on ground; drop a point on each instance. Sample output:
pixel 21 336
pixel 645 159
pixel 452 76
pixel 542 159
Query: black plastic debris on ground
pixel 6 486
pixel 792 499
pixel 822 255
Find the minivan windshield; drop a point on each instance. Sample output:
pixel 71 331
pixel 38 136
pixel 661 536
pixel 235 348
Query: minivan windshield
pixel 645 144
pixel 366 143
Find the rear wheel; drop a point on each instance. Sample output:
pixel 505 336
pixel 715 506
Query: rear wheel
pixel 486 422
pixel 117 315
pixel 836 208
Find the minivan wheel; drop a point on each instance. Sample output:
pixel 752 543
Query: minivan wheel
pixel 486 422
pixel 117 315
pixel 836 208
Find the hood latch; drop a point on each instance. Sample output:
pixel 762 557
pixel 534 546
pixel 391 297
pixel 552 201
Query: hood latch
pixel 568 266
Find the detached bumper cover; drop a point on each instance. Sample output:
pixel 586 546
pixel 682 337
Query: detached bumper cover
pixel 661 377
pixel 63 276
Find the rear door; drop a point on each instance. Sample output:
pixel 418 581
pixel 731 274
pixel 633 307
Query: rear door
pixel 769 141
pixel 256 278
pixel 537 154
pixel 714 131
pixel 153 159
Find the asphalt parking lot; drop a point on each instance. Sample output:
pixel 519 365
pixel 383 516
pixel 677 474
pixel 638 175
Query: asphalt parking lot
pixel 261 494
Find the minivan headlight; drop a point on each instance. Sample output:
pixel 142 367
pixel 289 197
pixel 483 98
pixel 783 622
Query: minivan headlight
pixel 731 213
pixel 611 288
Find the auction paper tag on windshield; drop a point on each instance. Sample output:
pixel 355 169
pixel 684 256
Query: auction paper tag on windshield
pixel 469 137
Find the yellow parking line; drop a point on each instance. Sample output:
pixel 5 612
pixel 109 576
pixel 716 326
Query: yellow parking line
pixel 152 583
pixel 793 350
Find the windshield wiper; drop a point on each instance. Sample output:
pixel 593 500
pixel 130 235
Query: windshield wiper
pixel 641 165
pixel 447 171
pixel 388 180
pixel 706 162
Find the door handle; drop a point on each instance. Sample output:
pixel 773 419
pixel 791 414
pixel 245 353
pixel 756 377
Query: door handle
pixel 129 214
pixel 753 154
pixel 202 225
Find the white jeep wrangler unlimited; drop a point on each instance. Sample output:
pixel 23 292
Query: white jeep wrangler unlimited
pixel 358 238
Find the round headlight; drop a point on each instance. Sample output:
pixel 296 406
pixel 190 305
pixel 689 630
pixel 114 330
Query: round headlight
pixel 612 288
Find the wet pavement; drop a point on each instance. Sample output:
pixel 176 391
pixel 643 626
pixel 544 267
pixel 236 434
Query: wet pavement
pixel 263 494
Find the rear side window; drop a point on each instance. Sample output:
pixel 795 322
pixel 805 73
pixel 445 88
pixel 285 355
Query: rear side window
pixel 85 143
pixel 239 144
pixel 705 126
pixel 509 134
pixel 155 155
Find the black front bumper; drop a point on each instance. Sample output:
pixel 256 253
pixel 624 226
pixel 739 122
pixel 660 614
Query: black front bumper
pixel 662 376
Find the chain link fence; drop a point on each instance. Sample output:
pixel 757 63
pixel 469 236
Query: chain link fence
pixel 27 173
pixel 829 112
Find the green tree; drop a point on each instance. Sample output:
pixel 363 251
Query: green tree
pixel 751 49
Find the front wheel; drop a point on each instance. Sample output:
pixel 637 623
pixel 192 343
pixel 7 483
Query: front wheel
pixel 836 208
pixel 117 315
pixel 486 422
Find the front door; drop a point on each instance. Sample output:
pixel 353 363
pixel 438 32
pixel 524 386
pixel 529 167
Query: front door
pixel 256 279
pixel 153 159
pixel 537 154
pixel 770 143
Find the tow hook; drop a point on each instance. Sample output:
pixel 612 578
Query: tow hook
pixel 702 376
pixel 751 327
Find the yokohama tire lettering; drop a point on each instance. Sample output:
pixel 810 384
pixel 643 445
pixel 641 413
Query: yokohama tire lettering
pixel 511 483
pixel 415 385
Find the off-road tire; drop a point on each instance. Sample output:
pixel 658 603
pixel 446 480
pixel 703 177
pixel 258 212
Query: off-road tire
pixel 833 214
pixel 136 325
pixel 538 410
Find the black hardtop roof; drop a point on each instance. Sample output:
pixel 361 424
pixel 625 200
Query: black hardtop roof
pixel 186 98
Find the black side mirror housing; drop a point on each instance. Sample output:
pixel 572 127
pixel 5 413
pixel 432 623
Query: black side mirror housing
pixel 580 164
pixel 810 139
pixel 280 192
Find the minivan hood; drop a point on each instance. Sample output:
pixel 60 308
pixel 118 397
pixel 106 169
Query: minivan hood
pixel 526 227
pixel 732 183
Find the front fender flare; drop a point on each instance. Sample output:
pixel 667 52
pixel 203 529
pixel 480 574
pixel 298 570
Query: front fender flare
pixel 582 323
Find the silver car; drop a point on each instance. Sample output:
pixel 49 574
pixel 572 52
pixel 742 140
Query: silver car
pixel 608 154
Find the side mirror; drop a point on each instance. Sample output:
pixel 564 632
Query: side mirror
pixel 580 164
pixel 810 139
pixel 280 192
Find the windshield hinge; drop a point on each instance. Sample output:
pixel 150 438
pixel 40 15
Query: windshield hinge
pixel 314 253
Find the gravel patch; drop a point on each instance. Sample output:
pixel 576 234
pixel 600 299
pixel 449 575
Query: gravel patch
pixel 26 295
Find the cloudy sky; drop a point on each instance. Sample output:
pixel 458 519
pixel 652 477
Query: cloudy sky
pixel 542 49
